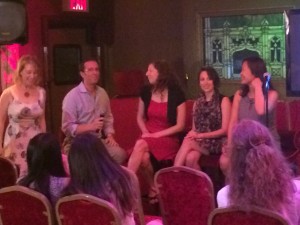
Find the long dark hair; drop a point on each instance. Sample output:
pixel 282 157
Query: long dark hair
pixel 165 76
pixel 94 172
pixel 44 160
pixel 212 75
pixel 257 67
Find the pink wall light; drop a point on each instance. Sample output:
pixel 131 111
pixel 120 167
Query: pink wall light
pixel 8 59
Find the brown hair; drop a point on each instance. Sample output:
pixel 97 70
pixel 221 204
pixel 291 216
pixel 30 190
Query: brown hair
pixel 23 61
pixel 165 75
pixel 82 63
pixel 212 75
pixel 257 67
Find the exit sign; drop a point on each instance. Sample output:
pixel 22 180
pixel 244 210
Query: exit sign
pixel 76 5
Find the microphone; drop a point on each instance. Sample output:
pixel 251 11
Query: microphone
pixel 267 78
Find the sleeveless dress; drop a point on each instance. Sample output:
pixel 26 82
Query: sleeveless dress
pixel 207 117
pixel 247 111
pixel 23 125
pixel 165 147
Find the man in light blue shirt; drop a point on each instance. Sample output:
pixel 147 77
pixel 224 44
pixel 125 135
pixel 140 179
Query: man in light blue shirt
pixel 86 108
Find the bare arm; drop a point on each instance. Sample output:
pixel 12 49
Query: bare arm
pixel 4 103
pixel 259 100
pixel 43 122
pixel 234 113
pixel 225 108
pixel 42 118
pixel 141 117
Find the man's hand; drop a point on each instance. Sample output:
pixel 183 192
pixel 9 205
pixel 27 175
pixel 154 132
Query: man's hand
pixel 97 124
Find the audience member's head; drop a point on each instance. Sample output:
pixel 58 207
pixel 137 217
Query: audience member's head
pixel 259 174
pixel 94 172
pixel 44 159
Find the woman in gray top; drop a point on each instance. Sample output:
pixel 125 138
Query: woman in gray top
pixel 249 100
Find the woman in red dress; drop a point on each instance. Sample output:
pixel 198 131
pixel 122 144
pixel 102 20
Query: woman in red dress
pixel 160 117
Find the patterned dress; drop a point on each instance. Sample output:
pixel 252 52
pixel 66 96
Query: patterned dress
pixel 23 125
pixel 207 118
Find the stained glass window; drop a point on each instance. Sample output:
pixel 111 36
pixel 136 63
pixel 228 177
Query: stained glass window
pixel 230 39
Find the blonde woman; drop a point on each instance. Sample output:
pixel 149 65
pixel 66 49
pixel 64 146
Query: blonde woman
pixel 23 105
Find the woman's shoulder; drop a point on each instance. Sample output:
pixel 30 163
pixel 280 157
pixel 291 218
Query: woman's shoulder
pixel 296 182
pixel 8 93
pixel 237 96
pixel 225 99
pixel 273 93
pixel 222 196
pixel 8 90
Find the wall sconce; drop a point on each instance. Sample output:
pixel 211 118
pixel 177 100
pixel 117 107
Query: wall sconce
pixel 76 5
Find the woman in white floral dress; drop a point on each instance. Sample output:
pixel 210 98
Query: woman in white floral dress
pixel 23 104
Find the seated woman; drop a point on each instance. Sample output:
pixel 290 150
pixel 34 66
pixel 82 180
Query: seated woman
pixel 249 100
pixel 94 172
pixel 160 117
pixel 258 174
pixel 211 113
pixel 46 173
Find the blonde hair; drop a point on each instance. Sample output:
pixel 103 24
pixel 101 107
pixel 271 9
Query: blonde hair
pixel 23 61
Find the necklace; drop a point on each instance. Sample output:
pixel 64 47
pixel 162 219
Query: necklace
pixel 26 94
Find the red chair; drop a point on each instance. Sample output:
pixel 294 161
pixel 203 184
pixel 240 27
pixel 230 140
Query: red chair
pixel 294 109
pixel 186 196
pixel 22 206
pixel 8 173
pixel 286 115
pixel 127 130
pixel 85 209
pixel 238 216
